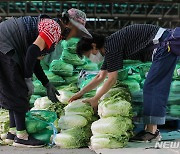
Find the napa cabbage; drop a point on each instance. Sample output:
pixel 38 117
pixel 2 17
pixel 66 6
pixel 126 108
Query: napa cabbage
pixel 71 87
pixel 88 67
pixel 70 44
pixel 132 84
pixel 109 141
pixel 56 80
pixel 64 96
pixel 73 138
pixel 72 79
pixel 61 68
pixel 39 89
pixel 79 108
pixel 114 107
pixel 42 103
pixel 111 125
pixel 4 121
pixel 72 121
pixel 71 58
pixel 120 92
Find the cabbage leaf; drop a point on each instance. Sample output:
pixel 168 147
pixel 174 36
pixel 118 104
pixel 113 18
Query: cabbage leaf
pixel 72 121
pixel 112 125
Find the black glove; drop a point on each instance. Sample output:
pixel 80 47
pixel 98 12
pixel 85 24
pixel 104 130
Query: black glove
pixel 52 92
pixel 30 86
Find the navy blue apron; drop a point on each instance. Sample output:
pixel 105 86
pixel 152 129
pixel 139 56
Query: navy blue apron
pixel 173 41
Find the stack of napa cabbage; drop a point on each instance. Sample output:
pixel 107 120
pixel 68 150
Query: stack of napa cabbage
pixel 114 127
pixel 75 125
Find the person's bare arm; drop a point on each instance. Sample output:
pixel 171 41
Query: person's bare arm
pixel 93 84
pixel 112 77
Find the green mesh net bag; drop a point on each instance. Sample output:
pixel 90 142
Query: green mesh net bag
pixel 61 68
pixel 144 69
pixel 40 124
pixel 175 110
pixel 123 74
pixel 56 80
pixel 33 99
pixel 176 75
pixel 70 44
pixel 72 79
pixel 88 66
pixel 71 58
pixel 132 84
pixel 39 89
pixel 44 135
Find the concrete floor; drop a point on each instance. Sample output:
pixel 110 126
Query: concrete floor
pixel 131 148
pixel 13 150
pixel 140 149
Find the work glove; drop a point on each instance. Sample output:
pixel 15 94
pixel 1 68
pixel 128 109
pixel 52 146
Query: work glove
pixel 30 86
pixel 52 92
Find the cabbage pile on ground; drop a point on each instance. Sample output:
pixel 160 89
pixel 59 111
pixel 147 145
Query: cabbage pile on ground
pixel 132 84
pixel 71 87
pixel 114 128
pixel 61 68
pixel 117 92
pixel 63 71
pixel 69 56
pixel 37 128
pixel 4 123
pixel 69 64
pixel 88 66
pixel 44 103
pixel 39 89
pixel 75 125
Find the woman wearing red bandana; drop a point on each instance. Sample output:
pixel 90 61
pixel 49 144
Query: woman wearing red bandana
pixel 24 42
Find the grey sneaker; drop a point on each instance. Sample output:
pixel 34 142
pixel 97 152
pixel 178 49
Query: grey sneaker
pixel 144 136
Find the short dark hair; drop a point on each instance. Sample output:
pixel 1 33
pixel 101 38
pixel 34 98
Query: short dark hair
pixel 85 44
pixel 64 17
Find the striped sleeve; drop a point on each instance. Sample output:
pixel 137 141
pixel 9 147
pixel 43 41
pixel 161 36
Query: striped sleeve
pixel 104 65
pixel 128 43
pixel 114 45
pixel 114 61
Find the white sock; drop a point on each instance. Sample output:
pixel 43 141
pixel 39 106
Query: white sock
pixel 12 130
pixel 22 135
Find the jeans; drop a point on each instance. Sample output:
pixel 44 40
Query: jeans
pixel 157 86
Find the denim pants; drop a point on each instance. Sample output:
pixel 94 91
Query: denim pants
pixel 157 86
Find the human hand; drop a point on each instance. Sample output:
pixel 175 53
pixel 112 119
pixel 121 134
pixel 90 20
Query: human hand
pixel 30 86
pixel 52 92
pixel 78 95
pixel 93 102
